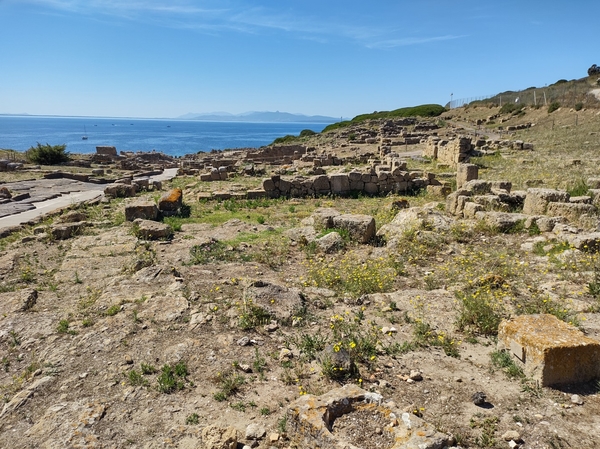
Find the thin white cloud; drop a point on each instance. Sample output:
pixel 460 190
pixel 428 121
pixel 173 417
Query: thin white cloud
pixel 407 41
pixel 214 16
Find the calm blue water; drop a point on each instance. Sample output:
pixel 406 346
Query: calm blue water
pixel 173 137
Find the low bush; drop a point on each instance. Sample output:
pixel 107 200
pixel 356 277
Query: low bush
pixel 553 107
pixel 47 154
pixel 511 108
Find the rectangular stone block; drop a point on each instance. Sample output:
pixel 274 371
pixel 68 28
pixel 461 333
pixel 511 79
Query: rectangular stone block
pixel 255 194
pixel 550 351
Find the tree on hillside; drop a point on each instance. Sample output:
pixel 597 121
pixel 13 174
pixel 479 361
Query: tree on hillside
pixel 47 154
pixel 594 70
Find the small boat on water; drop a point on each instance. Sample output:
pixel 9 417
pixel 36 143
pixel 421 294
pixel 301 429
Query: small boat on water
pixel 84 137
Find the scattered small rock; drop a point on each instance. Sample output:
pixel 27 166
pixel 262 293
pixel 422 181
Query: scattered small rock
pixel 244 341
pixel 415 375
pixel 511 435
pixel 255 431
pixel 479 398
pixel 576 399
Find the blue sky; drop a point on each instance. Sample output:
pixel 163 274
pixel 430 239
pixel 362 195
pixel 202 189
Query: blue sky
pixel 165 58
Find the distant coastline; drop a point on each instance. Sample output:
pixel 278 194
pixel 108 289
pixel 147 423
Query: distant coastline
pixel 246 117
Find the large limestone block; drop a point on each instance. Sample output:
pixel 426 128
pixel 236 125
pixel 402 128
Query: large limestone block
pixel 551 351
pixel 141 209
pixel 478 186
pixel 466 173
pixel 340 183
pixel 360 227
pixel 571 211
pixel 321 184
pixel 536 201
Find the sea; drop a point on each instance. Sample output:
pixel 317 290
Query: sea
pixel 172 137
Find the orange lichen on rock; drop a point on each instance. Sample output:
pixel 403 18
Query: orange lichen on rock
pixel 551 351
pixel 171 201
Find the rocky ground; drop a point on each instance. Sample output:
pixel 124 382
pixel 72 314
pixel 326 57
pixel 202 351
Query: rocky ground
pixel 111 341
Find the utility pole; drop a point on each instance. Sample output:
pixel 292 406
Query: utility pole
pixel 451 95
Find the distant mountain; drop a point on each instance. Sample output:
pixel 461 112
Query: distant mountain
pixel 270 117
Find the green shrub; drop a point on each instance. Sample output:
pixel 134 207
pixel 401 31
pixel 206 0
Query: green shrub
pixel 136 378
pixel 229 384
pixel 579 188
pixel 578 106
pixel 503 360
pixel 553 107
pixel 47 154
pixel 192 419
pixel 170 378
pixel 285 139
pixel 511 108
pixel 307 133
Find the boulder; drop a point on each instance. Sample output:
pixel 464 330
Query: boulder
pixel 330 243
pixel 321 218
pixel 255 431
pixel 279 302
pixel 412 219
pixel 466 173
pixel 170 203
pixel 340 184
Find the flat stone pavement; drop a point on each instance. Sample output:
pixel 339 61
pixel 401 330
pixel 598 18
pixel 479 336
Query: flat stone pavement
pixel 42 196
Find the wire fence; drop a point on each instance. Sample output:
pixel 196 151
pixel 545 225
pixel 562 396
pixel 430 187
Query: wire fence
pixel 563 92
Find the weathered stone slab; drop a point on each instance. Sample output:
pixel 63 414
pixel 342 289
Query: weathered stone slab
pixel 551 351
pixel 571 211
pixel 119 190
pixel 63 231
pixel 501 221
pixel 152 230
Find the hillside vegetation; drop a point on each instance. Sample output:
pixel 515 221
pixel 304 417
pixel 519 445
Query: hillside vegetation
pixel 425 110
